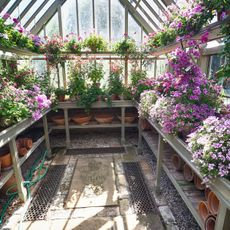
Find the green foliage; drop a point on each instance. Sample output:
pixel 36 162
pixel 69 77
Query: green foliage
pixel 73 46
pixel 95 72
pixel 125 46
pixel 95 43
pixel 136 75
pixel 60 91
pixel 115 84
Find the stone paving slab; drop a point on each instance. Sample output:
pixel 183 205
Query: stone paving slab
pixel 93 184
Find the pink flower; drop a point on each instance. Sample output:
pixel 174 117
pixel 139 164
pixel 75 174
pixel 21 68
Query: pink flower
pixel 204 37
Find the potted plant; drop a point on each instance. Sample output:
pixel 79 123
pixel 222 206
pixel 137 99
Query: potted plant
pixel 95 72
pixel 60 94
pixel 95 43
pixel 137 75
pixel 73 45
pixel 115 86
pixel 126 46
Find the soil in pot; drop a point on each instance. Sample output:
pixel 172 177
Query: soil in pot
pixel 104 118
pixel 81 119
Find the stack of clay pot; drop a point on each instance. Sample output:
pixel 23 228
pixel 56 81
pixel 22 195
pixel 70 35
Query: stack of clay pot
pixel 23 145
pixel 208 209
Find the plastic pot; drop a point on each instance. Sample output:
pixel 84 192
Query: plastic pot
pixel 213 203
pixel 177 162
pixel 198 183
pixel 188 173
pixel 210 222
pixel 203 210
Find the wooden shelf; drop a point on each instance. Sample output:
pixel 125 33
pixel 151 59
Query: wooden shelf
pixel 18 51
pixel 190 195
pixel 12 132
pixel 7 174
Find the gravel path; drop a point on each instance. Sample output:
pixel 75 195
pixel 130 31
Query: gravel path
pixel 184 218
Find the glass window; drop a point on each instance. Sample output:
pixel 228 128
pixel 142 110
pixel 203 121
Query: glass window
pixel 117 20
pixel 39 66
pixel 134 30
pixel 52 27
pixel 69 18
pixel 18 10
pixel 85 10
pixel 160 67
pixel 10 3
pixel 102 17
pixel 215 63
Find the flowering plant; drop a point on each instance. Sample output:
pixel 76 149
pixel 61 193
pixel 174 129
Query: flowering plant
pixel 94 71
pixel 210 146
pixel 73 45
pixel 137 75
pixel 126 46
pixel 95 43
pixel 147 100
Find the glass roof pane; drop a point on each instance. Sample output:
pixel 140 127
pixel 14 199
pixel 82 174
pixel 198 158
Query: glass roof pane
pixel 134 30
pixel 11 2
pixel 69 17
pixel 31 11
pixel 52 27
pixel 117 20
pixel 85 9
pixel 18 10
pixel 102 18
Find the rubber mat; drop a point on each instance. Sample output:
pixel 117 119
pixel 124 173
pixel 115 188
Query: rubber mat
pixel 43 198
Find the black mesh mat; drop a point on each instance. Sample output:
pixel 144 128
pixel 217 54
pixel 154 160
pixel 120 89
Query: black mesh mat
pixel 140 197
pixel 106 150
pixel 43 198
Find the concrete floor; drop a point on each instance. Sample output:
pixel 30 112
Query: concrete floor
pixel 117 214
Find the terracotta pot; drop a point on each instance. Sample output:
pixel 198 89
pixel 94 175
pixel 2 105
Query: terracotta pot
pixel 25 142
pixel 188 173
pixel 210 222
pixel 58 120
pixel 11 183
pixel 99 98
pixel 213 203
pixel 203 210
pixel 61 98
pixel 104 118
pixel 177 162
pixel 22 151
pixel 145 125
pixel 198 183
pixel 129 117
pixel 206 192
pixel 114 97
pixel 5 158
pixel 82 119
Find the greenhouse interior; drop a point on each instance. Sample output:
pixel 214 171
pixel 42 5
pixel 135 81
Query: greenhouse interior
pixel 115 114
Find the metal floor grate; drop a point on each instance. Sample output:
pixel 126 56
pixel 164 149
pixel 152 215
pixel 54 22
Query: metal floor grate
pixel 106 150
pixel 41 202
pixel 140 197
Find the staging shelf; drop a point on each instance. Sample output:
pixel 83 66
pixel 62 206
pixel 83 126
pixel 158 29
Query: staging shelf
pixel 7 174
pixel 190 195
pixel 12 132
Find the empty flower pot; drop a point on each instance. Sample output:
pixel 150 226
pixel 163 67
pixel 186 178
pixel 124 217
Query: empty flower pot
pixel 206 192
pixel 81 119
pixel 22 151
pixel 104 118
pixel 58 120
pixel 198 183
pixel 213 203
pixel 5 158
pixel 203 210
pixel 25 142
pixel 145 125
pixel 129 117
pixel 177 162
pixel 210 222
pixel 188 173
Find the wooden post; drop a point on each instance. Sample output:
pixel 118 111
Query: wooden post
pixel 46 131
pixel 140 131
pixel 126 70
pixel 67 128
pixel 223 220
pixel 159 163
pixel 17 170
pixel 122 125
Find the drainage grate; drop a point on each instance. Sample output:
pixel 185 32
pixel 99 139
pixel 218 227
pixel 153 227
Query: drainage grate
pixel 41 202
pixel 96 150
pixel 140 197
